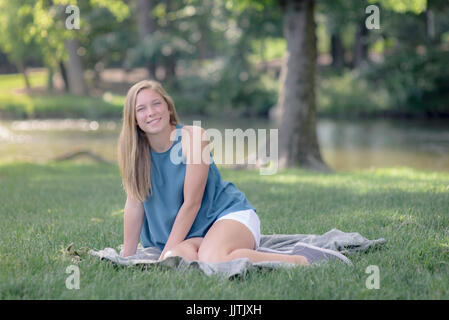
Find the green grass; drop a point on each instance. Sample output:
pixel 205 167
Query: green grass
pixel 24 105
pixel 14 81
pixel 45 207
pixel 59 106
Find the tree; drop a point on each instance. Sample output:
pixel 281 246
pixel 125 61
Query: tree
pixel 146 26
pixel 31 27
pixel 298 142
pixel 75 67
pixel 46 28
pixel 342 16
pixel 296 107
pixel 15 40
pixel 414 69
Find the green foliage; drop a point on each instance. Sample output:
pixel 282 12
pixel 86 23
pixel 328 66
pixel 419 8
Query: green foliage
pixel 349 94
pixel 407 74
pixel 118 8
pixel 415 6
pixel 218 45
pixel 228 83
pixel 193 95
pixel 417 81
pixel 108 38
pixel 30 28
pixel 267 49
pixel 240 6
pixel 223 88
pixel 15 23
pixel 159 46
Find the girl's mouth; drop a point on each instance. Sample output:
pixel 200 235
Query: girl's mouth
pixel 154 121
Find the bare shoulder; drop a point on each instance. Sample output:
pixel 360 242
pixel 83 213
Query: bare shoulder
pixel 195 142
pixel 194 132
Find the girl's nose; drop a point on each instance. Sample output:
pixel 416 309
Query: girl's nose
pixel 151 111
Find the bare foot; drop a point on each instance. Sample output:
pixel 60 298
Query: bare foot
pixel 301 260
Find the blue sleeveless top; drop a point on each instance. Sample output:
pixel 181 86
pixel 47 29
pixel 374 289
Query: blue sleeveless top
pixel 161 207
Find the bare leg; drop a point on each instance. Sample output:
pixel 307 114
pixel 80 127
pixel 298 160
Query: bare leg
pixel 188 249
pixel 228 239
pixel 256 256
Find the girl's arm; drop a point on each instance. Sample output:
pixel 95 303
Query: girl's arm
pixel 133 219
pixel 195 180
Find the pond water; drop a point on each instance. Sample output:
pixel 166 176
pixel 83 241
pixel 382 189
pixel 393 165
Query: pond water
pixel 345 144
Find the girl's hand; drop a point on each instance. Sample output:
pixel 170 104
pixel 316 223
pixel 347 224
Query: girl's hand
pixel 164 254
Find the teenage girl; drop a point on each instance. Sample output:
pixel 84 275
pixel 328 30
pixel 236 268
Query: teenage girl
pixel 176 200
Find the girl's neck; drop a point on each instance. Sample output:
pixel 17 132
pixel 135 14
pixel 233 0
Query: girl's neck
pixel 160 142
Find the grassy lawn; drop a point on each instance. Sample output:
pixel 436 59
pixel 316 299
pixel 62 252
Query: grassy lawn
pixel 43 105
pixel 45 207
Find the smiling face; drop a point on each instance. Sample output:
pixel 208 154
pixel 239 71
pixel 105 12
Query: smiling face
pixel 152 112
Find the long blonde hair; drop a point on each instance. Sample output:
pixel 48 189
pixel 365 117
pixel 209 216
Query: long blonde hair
pixel 133 146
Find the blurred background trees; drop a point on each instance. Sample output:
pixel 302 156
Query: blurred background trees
pixel 229 58
pixel 222 56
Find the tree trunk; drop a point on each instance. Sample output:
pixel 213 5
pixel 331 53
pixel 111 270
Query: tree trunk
pixel 50 86
pixel 202 47
pixel 75 69
pixel 170 66
pixel 170 61
pixel 337 50
pixel 360 45
pixel 298 142
pixel 202 43
pixel 262 54
pixel 63 71
pixel 22 68
pixel 146 27
pixel 430 25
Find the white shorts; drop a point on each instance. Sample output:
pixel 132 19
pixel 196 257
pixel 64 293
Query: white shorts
pixel 250 219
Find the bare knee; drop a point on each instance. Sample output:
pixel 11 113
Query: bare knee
pixel 186 250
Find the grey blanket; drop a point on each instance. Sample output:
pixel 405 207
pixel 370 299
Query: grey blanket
pixel 345 243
